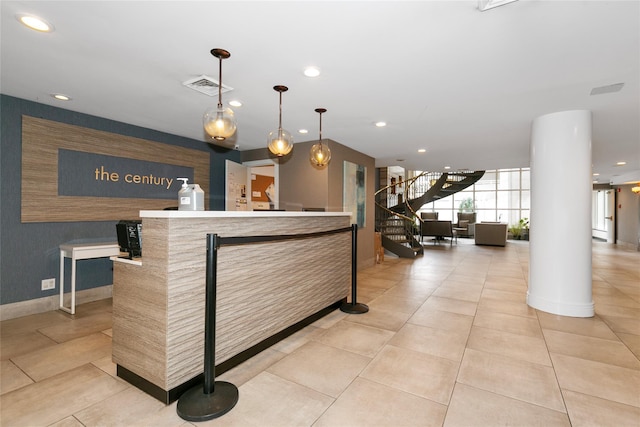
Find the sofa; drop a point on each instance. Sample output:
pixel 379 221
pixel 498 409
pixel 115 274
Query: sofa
pixel 437 229
pixel 466 224
pixel 491 233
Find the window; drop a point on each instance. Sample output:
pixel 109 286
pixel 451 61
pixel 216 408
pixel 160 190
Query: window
pixel 500 195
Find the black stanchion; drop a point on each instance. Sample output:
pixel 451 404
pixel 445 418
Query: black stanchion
pixel 354 307
pixel 214 398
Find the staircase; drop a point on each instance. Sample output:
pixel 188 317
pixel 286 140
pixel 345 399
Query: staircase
pixel 396 217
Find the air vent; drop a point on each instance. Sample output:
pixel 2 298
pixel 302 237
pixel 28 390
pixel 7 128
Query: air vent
pixel 207 85
pixel 607 89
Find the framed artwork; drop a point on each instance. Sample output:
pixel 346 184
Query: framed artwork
pixel 354 194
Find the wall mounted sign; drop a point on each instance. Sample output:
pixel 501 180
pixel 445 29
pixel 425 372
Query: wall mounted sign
pixel 88 174
pixel 71 173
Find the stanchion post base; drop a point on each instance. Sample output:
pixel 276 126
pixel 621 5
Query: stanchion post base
pixel 357 308
pixel 196 405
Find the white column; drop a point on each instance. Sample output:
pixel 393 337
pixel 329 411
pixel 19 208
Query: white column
pixel 560 223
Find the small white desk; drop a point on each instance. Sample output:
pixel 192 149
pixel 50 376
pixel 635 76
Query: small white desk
pixel 77 251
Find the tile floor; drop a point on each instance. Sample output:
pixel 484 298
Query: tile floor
pixel 448 341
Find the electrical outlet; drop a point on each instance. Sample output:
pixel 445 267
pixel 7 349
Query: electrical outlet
pixel 48 284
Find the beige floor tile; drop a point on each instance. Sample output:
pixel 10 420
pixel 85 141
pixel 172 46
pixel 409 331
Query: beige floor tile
pixel 588 326
pixel 123 408
pixel 501 295
pixel 73 390
pixel 381 319
pixel 298 339
pixel 68 422
pixel 451 305
pixel 308 366
pixel 63 357
pixel 597 379
pixel 458 293
pixel 529 382
pixel 330 319
pixel 375 282
pixel 478 408
pixel 366 404
pixel 268 400
pixel 632 342
pixel 395 304
pixel 416 290
pixel 454 322
pixel 507 307
pixel 515 346
pixel 356 338
pixel 436 342
pixel 511 284
pixel 107 365
pixel 32 323
pixel 418 373
pixel 12 377
pixel 82 326
pixel 589 411
pixel 508 323
pixel 596 349
pixel 252 367
pixel 617 310
pixel 469 277
pixel 166 417
pixel 626 325
pixel 19 344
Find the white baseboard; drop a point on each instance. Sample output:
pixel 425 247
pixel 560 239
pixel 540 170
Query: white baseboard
pixel 51 303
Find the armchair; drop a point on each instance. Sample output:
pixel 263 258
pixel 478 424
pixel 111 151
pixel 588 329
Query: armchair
pixel 466 225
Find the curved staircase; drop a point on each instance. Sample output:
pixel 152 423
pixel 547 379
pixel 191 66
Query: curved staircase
pixel 396 217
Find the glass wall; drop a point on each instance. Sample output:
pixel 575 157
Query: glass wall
pixel 500 195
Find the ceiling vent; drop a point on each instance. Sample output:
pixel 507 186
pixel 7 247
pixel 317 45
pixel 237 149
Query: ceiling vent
pixel 607 89
pixel 207 85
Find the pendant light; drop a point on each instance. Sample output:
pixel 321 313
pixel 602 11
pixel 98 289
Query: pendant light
pixel 280 142
pixel 320 154
pixel 219 123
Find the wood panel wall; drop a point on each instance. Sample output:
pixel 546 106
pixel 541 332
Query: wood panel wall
pixel 41 140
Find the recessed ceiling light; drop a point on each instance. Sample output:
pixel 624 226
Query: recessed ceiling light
pixel 303 131
pixel 596 174
pixel 447 168
pixel 381 124
pixel 235 103
pixel 61 97
pixel 422 150
pixel 35 23
pixel 312 71
pixel 621 163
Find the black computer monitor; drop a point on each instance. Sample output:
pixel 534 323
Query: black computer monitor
pixel 130 237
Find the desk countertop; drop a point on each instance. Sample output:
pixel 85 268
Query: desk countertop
pixel 236 214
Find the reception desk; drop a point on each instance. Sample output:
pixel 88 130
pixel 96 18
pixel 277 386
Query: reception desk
pixel 265 291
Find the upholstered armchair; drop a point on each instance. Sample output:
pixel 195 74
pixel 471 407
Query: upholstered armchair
pixel 466 225
pixel 429 215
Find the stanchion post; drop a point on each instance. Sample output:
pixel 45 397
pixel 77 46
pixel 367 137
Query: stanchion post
pixel 214 398
pixel 354 307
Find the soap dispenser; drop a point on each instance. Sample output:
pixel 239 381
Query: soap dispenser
pixel 190 196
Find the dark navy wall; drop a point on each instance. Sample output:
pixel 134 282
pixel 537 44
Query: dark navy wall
pixel 30 252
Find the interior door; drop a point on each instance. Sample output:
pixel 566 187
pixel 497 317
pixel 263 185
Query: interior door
pixel 235 193
pixel 610 216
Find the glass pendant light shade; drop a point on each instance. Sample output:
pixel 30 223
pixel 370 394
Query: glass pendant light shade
pixel 320 154
pixel 219 123
pixel 280 142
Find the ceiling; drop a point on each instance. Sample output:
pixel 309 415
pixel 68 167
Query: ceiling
pixel 462 84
